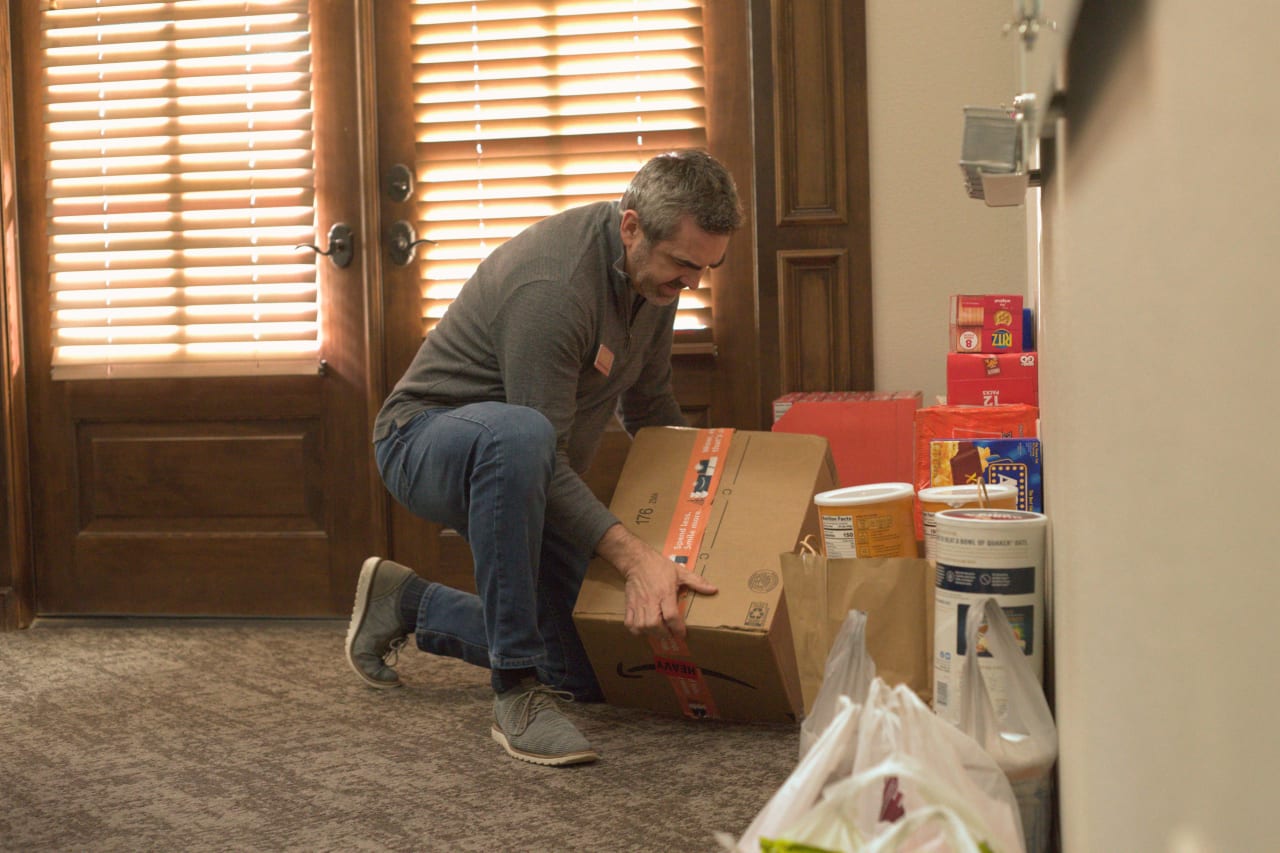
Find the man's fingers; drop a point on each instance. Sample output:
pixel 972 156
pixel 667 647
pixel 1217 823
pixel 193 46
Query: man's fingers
pixel 672 620
pixel 643 620
pixel 674 623
pixel 698 583
pixel 660 616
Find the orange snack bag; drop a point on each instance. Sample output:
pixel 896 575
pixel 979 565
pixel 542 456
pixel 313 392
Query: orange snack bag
pixel 1015 420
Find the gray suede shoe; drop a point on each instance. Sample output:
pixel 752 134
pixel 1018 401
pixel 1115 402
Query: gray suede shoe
pixel 531 728
pixel 376 634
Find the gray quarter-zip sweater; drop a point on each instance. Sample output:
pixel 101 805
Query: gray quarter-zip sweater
pixel 534 326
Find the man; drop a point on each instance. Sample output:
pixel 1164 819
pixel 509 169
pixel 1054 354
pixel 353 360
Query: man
pixel 501 411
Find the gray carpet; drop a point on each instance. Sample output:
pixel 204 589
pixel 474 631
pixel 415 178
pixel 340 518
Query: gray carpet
pixel 254 735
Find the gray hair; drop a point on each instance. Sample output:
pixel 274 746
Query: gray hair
pixel 683 183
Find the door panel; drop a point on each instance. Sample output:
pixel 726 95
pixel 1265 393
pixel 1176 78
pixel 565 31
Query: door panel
pixel 209 496
pixel 814 237
pixel 208 516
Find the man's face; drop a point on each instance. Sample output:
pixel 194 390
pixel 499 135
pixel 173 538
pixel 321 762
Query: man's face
pixel 659 271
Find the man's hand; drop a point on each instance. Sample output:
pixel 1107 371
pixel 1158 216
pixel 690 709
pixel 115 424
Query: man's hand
pixel 652 584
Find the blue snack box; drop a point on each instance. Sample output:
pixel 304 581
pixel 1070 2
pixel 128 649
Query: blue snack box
pixel 955 462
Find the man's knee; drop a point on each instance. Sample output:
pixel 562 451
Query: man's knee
pixel 520 429
pixel 532 429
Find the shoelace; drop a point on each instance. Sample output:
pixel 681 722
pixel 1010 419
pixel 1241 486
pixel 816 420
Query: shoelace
pixel 392 655
pixel 527 704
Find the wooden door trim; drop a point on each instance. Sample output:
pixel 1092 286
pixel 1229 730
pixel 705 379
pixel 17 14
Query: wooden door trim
pixel 16 577
pixel 733 368
pixel 341 109
pixel 377 384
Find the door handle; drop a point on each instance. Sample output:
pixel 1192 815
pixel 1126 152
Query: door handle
pixel 341 245
pixel 404 242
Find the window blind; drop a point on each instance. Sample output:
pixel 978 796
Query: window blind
pixel 524 108
pixel 179 180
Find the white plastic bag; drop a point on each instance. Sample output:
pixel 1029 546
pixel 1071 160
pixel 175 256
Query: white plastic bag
pixel 926 814
pixel 1024 741
pixel 892 725
pixel 832 751
pixel 848 672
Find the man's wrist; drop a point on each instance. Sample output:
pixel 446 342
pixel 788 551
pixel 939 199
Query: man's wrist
pixel 621 548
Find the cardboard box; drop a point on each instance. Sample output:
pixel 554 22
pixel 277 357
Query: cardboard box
pixel 870 432
pixel 1015 461
pixel 986 323
pixel 783 404
pixel 738 661
pixel 992 379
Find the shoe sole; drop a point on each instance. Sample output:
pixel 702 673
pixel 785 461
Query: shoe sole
pixel 581 757
pixel 358 611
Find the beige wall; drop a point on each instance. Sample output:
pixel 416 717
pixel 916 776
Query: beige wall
pixel 1159 366
pixel 926 61
pixel 1159 360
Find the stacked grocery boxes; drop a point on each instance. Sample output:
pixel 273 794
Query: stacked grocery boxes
pixel 987 429
pixel 992 360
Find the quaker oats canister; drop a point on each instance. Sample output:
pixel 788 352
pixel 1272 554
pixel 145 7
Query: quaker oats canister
pixel 979 553
pixel 874 520
pixel 937 498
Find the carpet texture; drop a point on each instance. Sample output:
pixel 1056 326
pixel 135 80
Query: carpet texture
pixel 197 735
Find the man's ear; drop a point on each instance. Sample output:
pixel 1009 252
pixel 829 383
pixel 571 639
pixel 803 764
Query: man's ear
pixel 630 227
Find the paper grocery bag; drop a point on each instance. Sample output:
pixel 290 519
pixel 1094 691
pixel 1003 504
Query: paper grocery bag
pixel 896 593
pixel 804 583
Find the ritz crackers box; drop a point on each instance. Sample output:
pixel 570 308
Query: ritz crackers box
pixel 992 379
pixel 986 323
pixel 749 496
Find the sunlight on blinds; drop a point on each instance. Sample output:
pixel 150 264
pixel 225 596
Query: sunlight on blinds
pixel 524 108
pixel 179 158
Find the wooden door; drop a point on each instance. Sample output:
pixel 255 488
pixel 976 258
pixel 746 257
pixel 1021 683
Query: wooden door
pixel 207 496
pixel 716 380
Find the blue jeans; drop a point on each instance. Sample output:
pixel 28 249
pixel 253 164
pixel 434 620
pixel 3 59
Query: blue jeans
pixel 483 470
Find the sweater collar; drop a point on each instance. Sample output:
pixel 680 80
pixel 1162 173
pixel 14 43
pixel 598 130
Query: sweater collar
pixel 622 289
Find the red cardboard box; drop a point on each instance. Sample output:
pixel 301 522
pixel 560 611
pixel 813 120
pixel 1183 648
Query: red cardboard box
pixel 986 323
pixel 992 379
pixel 870 432
pixel 786 401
